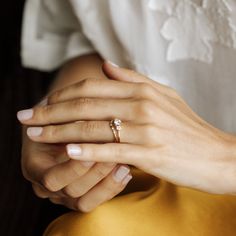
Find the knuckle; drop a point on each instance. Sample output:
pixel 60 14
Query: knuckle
pixel 44 113
pixel 51 132
pixel 55 97
pixel 81 103
pixel 146 90
pixel 38 192
pixel 71 192
pixel 118 152
pixel 76 168
pixel 146 109
pixel 112 189
pixel 161 161
pixel 88 82
pixel 101 172
pixel 48 181
pixel 90 127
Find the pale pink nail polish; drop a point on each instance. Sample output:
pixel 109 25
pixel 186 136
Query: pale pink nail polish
pixel 34 131
pixel 74 151
pixel 112 63
pixel 25 114
pixel 127 179
pixel 121 173
pixel 88 163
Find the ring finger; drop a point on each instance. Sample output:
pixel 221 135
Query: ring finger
pixel 88 131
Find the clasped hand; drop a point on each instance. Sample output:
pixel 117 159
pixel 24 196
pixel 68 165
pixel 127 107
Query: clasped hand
pixel 160 135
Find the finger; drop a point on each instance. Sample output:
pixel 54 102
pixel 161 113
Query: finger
pixel 80 109
pixel 94 88
pixel 41 192
pixel 106 189
pixel 82 185
pixel 122 74
pixel 36 166
pixel 117 153
pixel 63 174
pixel 38 158
pixel 91 132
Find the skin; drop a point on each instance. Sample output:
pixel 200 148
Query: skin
pixel 79 185
pixel 161 135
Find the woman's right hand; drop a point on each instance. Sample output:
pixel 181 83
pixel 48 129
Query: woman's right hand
pixel 78 185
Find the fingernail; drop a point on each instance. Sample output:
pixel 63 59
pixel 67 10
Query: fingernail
pixel 74 151
pixel 87 163
pixel 34 131
pixel 112 63
pixel 121 173
pixel 127 179
pixel 25 114
pixel 44 102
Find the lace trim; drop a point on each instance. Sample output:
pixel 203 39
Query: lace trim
pixel 193 25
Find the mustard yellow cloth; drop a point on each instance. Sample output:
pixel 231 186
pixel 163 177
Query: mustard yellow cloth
pixel 153 207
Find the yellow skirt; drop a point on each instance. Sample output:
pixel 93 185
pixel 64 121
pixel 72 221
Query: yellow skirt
pixel 153 207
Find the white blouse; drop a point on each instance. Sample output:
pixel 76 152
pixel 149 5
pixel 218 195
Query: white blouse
pixel 189 45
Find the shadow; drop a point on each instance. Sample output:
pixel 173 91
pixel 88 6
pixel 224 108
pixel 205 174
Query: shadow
pixel 21 213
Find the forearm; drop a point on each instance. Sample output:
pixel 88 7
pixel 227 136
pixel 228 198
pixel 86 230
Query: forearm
pixel 88 66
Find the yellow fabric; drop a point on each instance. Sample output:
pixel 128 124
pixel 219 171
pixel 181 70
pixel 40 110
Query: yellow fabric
pixel 153 208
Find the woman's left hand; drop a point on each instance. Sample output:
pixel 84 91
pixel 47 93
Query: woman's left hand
pixel 160 133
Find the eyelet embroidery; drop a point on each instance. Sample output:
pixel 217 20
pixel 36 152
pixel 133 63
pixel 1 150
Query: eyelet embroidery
pixel 193 25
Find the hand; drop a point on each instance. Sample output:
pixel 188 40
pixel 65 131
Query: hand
pixel 161 134
pixel 79 185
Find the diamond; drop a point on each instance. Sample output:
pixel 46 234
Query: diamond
pixel 117 122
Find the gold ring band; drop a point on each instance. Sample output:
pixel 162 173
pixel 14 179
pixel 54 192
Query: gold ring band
pixel 115 125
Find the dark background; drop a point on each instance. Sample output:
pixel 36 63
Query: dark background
pixel 21 213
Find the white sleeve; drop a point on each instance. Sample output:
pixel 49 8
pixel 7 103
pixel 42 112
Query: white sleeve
pixel 51 35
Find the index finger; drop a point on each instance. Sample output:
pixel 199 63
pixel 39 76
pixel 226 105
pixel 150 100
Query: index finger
pixel 94 88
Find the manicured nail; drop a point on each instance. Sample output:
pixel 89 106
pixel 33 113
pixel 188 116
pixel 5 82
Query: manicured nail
pixel 44 102
pixel 121 173
pixel 87 163
pixel 25 114
pixel 112 63
pixel 127 179
pixel 34 131
pixel 74 151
